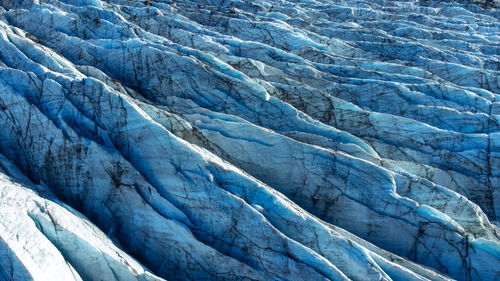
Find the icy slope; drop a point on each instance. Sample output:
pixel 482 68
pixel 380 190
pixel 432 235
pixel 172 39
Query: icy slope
pixel 263 140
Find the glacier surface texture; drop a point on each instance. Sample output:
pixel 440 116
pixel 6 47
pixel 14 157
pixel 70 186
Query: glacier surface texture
pixel 249 140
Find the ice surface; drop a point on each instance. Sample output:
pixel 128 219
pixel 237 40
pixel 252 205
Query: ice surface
pixel 237 140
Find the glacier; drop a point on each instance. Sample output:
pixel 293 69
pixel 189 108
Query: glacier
pixel 249 140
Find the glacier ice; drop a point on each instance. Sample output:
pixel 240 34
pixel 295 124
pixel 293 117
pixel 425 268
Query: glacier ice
pixel 252 140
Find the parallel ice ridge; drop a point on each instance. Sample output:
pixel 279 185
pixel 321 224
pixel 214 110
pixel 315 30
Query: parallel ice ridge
pixel 249 140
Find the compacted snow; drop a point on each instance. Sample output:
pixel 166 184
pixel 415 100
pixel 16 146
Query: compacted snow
pixel 249 140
